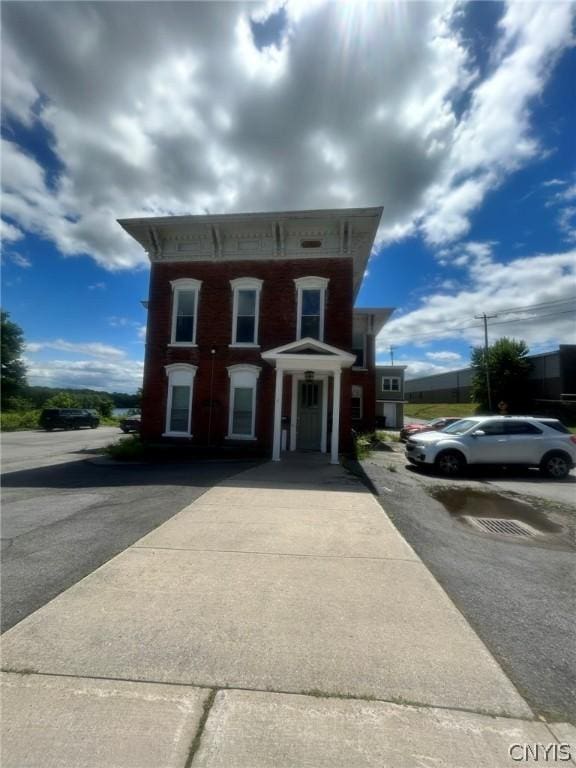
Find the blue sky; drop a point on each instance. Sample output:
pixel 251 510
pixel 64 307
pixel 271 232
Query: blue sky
pixel 458 118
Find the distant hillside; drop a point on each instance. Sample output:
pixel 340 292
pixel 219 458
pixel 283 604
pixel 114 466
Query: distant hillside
pixel 39 395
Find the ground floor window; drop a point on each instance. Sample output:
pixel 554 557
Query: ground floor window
pixel 242 409
pixel 179 399
pixel 356 402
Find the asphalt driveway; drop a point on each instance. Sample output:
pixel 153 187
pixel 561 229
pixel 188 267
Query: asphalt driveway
pixel 518 594
pixel 61 522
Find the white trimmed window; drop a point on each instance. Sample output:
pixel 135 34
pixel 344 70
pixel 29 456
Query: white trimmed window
pixel 179 400
pixel 390 384
pixel 185 293
pixel 245 311
pixel 242 404
pixel 310 307
pixel 356 405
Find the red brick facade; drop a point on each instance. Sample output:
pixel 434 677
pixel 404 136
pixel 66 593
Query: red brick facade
pixel 277 326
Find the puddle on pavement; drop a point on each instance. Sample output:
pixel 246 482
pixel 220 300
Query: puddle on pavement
pixel 470 503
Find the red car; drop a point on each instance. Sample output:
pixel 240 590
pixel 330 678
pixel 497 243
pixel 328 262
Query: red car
pixel 436 425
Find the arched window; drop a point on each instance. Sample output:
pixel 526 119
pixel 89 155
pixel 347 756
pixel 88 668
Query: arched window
pixel 242 403
pixel 310 307
pixel 186 292
pixel 179 400
pixel 245 311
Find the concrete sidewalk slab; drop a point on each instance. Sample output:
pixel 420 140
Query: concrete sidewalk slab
pixel 288 498
pixel 65 722
pixel 298 530
pixel 260 730
pixel 360 627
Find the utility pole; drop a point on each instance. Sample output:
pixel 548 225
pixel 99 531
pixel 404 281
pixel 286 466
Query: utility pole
pixel 485 318
pixel 391 355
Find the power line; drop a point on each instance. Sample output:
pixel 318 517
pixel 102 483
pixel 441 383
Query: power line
pixel 449 329
pixel 535 317
pixel 534 306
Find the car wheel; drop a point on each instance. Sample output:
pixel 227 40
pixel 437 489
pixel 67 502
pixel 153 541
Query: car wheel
pixel 125 430
pixel 93 426
pixel 556 466
pixel 450 463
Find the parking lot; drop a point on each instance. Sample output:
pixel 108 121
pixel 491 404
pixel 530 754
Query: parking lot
pixel 63 516
pixel 517 591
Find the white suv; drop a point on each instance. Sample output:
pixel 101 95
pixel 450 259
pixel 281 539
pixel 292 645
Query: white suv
pixel 523 440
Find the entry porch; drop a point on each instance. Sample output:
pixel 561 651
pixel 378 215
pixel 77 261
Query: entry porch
pixel 309 377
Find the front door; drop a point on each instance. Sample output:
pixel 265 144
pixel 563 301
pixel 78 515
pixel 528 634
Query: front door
pixel 309 427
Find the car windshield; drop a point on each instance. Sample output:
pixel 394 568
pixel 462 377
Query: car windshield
pixel 459 427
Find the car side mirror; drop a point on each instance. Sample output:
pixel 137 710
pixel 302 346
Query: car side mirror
pixel 478 433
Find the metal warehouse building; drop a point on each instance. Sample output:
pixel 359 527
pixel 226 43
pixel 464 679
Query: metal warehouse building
pixel 553 377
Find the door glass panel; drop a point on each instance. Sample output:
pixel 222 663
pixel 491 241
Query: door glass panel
pixel 242 415
pixel 492 428
pixel 180 409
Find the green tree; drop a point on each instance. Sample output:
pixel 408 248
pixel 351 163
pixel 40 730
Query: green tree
pixel 62 400
pixel 509 371
pixel 13 368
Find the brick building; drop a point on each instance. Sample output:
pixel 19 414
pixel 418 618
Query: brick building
pixel 252 337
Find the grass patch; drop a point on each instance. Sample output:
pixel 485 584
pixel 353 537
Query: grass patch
pixel 14 421
pixel 126 449
pixel 436 410
pixel 388 437
pixel 363 444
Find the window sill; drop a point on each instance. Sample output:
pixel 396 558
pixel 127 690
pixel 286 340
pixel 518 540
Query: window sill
pixel 187 435
pixel 182 344
pixel 240 437
pixel 241 345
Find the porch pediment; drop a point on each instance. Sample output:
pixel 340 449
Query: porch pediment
pixel 309 353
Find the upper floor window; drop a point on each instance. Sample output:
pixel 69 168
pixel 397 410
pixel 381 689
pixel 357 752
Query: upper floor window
pixel 245 311
pixel 390 384
pixel 310 307
pixel 184 311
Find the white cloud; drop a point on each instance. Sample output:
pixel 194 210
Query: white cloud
pixel 497 289
pixel 97 287
pixel 119 376
pixel 447 356
pixel 416 367
pixel 9 233
pixel 92 348
pixel 200 119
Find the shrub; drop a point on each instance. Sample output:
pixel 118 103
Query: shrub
pixel 363 444
pixel 14 421
pixel 388 437
pixel 126 449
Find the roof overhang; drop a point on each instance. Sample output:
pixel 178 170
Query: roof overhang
pixel 309 354
pixel 376 317
pixel 330 233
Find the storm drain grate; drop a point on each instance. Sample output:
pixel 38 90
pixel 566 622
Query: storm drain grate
pixel 502 526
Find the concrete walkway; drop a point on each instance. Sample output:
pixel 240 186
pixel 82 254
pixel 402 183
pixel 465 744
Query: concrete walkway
pixel 280 620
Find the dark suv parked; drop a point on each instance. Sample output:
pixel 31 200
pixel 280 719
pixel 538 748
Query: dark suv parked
pixel 68 418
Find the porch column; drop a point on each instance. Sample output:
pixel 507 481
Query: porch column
pixel 335 417
pixel 277 414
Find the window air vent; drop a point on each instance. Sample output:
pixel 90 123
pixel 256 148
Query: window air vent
pixel 310 243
